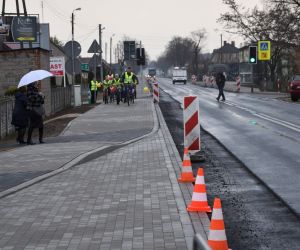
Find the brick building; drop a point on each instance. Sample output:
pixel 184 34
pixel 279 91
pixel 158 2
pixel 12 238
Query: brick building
pixel 15 63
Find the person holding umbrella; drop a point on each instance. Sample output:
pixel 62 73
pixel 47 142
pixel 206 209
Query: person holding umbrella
pixel 20 114
pixel 35 101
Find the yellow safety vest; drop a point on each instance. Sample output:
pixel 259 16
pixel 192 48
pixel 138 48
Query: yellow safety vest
pixel 93 85
pixel 128 78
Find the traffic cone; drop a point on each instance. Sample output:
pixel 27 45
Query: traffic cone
pixel 186 170
pixel 199 198
pixel 217 238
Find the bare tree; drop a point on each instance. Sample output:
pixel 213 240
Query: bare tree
pixel 277 23
pixel 198 37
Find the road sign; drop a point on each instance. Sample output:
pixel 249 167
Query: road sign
pixel 95 47
pixel 264 50
pixel 68 49
pixel 129 50
pixel 77 66
pixel 85 67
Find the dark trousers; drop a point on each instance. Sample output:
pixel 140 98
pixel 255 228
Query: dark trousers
pixel 21 133
pixel 221 93
pixel 30 130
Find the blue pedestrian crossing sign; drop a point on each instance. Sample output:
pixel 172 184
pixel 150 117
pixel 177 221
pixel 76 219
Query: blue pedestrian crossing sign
pixel 264 50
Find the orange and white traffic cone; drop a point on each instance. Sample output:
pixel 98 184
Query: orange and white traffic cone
pixel 186 170
pixel 217 238
pixel 199 198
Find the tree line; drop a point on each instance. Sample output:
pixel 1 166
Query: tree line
pixel 276 21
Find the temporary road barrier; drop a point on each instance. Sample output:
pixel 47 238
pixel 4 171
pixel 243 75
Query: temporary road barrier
pixel 191 124
pixel 238 84
pixel 217 238
pixel 186 170
pixel 199 198
pixel 155 92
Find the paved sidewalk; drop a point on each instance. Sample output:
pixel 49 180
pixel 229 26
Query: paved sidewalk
pixel 110 183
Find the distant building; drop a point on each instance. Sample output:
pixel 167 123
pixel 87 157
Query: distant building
pixel 225 59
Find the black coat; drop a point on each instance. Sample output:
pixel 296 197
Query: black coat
pixel 220 80
pixel 35 100
pixel 20 113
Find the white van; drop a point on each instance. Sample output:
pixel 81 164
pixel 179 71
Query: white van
pixel 179 75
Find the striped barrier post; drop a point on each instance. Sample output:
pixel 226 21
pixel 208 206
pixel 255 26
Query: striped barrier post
pixel 191 124
pixel 155 92
pixel 238 84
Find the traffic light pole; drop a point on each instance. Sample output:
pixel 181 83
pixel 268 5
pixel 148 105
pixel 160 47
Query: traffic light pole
pixel 141 66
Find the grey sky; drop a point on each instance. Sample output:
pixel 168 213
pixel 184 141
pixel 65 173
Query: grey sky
pixel 153 22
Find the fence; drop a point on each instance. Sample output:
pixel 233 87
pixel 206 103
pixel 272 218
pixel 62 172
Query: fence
pixel 61 98
pixel 6 109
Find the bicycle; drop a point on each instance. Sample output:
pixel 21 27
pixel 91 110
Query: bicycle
pixel 105 96
pixel 129 93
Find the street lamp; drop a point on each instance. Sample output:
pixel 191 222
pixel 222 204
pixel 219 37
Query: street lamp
pixel 110 50
pixel 73 62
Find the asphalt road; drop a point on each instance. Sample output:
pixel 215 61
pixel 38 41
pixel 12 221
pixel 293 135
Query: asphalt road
pixel 260 130
pixel 254 217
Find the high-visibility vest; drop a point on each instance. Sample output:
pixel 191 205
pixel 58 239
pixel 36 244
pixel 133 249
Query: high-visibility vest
pixel 93 85
pixel 117 82
pixel 128 78
pixel 106 84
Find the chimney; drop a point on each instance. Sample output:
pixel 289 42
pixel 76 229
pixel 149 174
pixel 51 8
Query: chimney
pixel 233 43
pixel 225 42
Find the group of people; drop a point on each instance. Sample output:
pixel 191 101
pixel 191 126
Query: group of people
pixel 28 113
pixel 114 84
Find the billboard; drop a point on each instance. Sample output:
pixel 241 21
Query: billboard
pixel 24 28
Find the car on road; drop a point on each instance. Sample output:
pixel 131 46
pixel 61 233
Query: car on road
pixel 294 87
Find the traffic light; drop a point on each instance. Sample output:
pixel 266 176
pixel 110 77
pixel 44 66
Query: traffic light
pixel 253 54
pixel 141 60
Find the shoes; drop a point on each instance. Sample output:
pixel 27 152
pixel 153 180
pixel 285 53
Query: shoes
pixel 30 143
pixel 223 100
pixel 217 99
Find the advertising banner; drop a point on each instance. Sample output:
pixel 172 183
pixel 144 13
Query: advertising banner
pixel 57 66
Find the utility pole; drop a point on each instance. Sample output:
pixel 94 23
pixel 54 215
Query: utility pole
pixel 100 43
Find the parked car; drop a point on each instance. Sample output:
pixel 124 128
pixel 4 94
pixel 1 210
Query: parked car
pixel 294 87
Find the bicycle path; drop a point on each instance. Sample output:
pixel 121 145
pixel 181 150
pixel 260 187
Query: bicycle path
pixel 110 183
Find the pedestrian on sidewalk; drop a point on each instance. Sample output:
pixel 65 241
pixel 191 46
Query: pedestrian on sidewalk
pixel 220 81
pixel 35 106
pixel 20 114
pixel 93 90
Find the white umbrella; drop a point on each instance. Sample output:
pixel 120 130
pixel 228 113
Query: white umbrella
pixel 33 76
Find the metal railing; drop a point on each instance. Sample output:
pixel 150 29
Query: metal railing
pixel 6 110
pixel 199 243
pixel 61 98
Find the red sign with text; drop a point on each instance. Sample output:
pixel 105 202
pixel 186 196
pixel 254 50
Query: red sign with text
pixel 57 66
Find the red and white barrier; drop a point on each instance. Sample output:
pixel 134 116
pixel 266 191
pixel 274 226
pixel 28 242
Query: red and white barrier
pixel 194 79
pixel 238 84
pixel 155 92
pixel 212 81
pixel 191 124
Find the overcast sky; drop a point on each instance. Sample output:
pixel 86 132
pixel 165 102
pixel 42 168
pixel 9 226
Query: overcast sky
pixel 153 22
